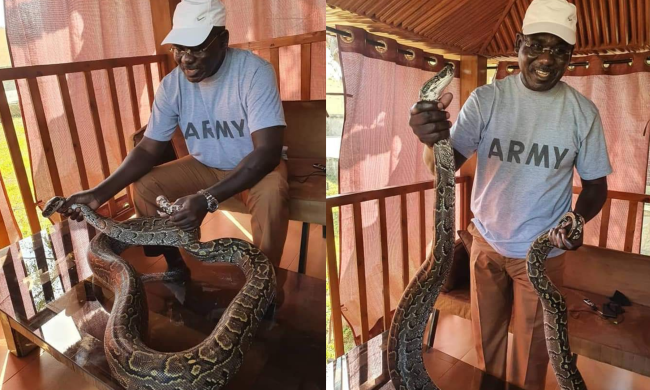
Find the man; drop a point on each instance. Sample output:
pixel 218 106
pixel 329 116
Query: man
pixel 529 131
pixel 228 107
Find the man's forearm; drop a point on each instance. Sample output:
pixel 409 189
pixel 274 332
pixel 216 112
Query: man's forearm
pixel 136 164
pixel 247 173
pixel 591 200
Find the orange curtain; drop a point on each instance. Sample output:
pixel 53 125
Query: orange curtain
pixel 620 91
pixel 255 20
pixel 378 149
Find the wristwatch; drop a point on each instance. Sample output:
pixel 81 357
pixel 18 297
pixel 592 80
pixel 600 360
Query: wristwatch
pixel 213 203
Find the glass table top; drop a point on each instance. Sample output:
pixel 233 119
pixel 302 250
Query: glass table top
pixel 46 287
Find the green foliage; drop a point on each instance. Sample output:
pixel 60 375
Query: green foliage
pixel 11 182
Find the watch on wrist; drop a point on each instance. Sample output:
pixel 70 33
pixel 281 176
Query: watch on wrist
pixel 213 203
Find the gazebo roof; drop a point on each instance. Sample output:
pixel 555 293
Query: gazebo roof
pixel 488 28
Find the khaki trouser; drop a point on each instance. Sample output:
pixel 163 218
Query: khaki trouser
pixel 267 201
pixel 498 285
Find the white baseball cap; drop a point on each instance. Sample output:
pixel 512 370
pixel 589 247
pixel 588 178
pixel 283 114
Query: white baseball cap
pixel 557 17
pixel 193 21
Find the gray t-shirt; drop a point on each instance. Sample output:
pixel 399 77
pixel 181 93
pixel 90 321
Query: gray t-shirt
pixel 527 144
pixel 218 114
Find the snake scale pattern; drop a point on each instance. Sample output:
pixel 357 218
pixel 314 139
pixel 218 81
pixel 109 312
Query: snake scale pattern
pixel 555 313
pixel 208 365
pixel 405 363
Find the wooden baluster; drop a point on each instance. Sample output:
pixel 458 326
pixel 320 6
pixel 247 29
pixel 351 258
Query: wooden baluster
pixel 74 133
pixel 275 61
pixel 118 122
pixel 99 137
pixel 333 276
pixel 116 113
pixel 631 225
pixel 604 223
pixel 18 164
pixel 44 133
pixel 305 71
pixel 361 271
pixel 149 80
pixel 135 106
pixel 405 241
pixel 3 225
pixel 161 72
pixel 385 271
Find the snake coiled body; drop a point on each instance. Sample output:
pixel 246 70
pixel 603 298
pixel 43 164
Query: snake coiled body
pixel 554 306
pixel 208 365
pixel 405 363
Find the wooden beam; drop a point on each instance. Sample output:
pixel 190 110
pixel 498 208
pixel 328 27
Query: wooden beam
pixel 44 132
pixel 74 133
pixel 473 74
pixel 305 71
pixel 99 136
pixel 317 36
pixel 27 72
pixel 162 12
pixel 17 162
pixel 333 276
pixel 135 103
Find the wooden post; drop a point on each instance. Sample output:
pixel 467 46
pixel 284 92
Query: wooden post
pixel 162 12
pixel 473 74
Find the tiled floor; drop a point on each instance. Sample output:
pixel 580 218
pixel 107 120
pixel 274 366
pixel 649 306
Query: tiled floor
pixel 40 371
pixel 454 337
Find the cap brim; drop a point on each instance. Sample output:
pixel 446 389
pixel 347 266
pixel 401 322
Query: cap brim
pixel 187 36
pixel 563 32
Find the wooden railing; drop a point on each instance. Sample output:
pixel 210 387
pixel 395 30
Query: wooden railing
pixel 31 74
pixel 355 199
pixel 304 40
pixel 633 201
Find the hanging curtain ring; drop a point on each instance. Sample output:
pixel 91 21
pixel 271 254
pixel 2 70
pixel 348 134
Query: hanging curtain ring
pixel 347 39
pixel 433 61
pixel 410 56
pixel 381 49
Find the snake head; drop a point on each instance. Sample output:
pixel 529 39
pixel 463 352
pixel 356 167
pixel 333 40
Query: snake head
pixel 53 205
pixel 433 88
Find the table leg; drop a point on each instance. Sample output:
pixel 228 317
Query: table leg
pixel 304 243
pixel 18 344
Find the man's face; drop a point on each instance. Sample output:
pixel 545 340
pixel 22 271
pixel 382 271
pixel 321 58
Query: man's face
pixel 540 67
pixel 203 60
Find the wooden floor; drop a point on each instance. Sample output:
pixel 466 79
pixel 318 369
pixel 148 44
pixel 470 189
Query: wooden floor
pixel 454 337
pixel 40 371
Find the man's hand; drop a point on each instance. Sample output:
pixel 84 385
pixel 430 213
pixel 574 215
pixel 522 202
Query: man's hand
pixel 558 238
pixel 193 209
pixel 430 121
pixel 91 198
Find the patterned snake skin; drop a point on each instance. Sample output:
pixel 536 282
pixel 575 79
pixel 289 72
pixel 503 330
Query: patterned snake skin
pixel 405 363
pixel 554 305
pixel 213 362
